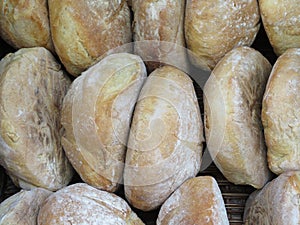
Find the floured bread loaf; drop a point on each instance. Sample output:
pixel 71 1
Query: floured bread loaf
pixel 23 207
pixel 165 141
pixel 96 116
pixel 25 24
pixel 160 23
pixel 82 204
pixel 232 104
pixel 84 30
pixel 32 88
pixel 277 203
pixel 281 113
pixel 282 23
pixel 214 27
pixel 196 201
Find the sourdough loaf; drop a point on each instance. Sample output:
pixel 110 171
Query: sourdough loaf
pixel 214 27
pixel 80 204
pixel 96 116
pixel 32 88
pixel 83 31
pixel 233 128
pixel 281 113
pixel 165 142
pixel 196 201
pixel 25 24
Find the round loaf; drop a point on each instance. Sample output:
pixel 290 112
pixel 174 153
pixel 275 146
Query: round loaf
pixel 23 207
pixel 25 24
pixel 158 31
pixel 232 108
pixel 276 203
pixel 281 21
pixel 281 113
pixel 96 116
pixel 32 88
pixel 83 31
pixel 213 28
pixel 82 204
pixel 196 201
pixel 165 141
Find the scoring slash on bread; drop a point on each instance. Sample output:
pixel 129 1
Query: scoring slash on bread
pixel 281 113
pixel 25 24
pixel 160 23
pixel 23 207
pixel 197 201
pixel 214 27
pixel 84 31
pixel 277 203
pixel 80 204
pixel 165 141
pixel 232 104
pixel 32 88
pixel 96 116
pixel 281 22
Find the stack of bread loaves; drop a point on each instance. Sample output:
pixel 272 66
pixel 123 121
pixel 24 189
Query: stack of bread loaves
pixel 105 90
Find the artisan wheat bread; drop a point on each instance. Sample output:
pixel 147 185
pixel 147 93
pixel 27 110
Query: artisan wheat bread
pixel 281 113
pixel 32 88
pixel 232 109
pixel 165 143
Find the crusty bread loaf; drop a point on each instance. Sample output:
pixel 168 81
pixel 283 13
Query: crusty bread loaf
pixel 85 30
pixel 214 27
pixel 25 24
pixel 281 22
pixel 82 204
pixel 277 203
pixel 281 113
pixel 165 141
pixel 196 201
pixel 96 116
pixel 32 88
pixel 23 207
pixel 232 104
pixel 158 32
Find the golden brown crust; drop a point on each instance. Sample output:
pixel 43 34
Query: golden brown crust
pixel 23 207
pixel 82 204
pixel 196 201
pixel 276 203
pixel 32 88
pixel 165 142
pixel 281 113
pixel 159 21
pixel 83 31
pixel 213 28
pixel 281 23
pixel 96 115
pixel 25 24
pixel 233 96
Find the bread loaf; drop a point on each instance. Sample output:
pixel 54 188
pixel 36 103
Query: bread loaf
pixel 82 204
pixel 165 141
pixel 83 31
pixel 281 22
pixel 25 24
pixel 96 116
pixel 213 28
pixel 32 88
pixel 158 32
pixel 232 108
pixel 277 203
pixel 196 201
pixel 23 207
pixel 281 113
